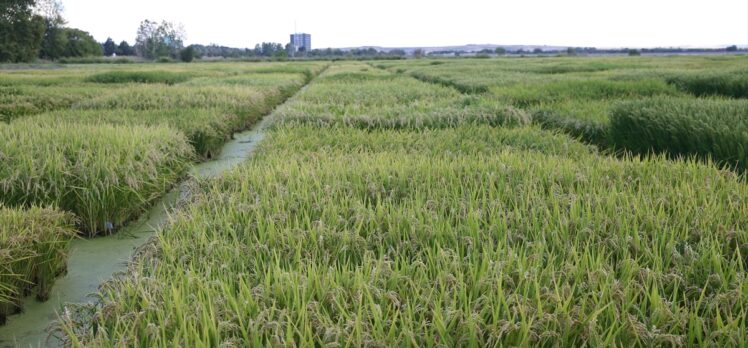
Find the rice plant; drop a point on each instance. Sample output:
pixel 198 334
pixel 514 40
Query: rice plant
pixel 370 99
pixel 583 119
pixel 206 129
pixel 104 174
pixel 249 104
pixel 33 246
pixel 434 234
pixel 315 242
pixel 721 82
pixel 708 128
pixel 19 101
pixel 165 77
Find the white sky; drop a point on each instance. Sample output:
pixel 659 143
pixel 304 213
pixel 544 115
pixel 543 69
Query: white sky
pixel 398 23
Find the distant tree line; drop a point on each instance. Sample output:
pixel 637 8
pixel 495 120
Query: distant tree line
pixel 31 29
pixel 275 50
pixel 573 51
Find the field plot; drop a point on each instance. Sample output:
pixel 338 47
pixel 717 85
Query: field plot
pixel 356 96
pixel 362 221
pixel 577 95
pixel 99 144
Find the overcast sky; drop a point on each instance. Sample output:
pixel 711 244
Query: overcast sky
pixel 398 23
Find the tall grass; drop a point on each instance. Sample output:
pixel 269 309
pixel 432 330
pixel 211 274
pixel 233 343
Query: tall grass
pixel 104 174
pixel 33 246
pixel 708 128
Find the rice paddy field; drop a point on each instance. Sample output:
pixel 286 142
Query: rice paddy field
pixel 456 202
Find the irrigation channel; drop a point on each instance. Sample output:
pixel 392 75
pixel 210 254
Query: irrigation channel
pixel 94 261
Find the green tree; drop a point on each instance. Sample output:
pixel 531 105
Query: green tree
pixel 571 51
pixel 80 44
pixel 500 50
pixel 54 42
pixel 21 31
pixel 124 49
pixel 732 48
pixel 110 48
pixel 634 52
pixel 156 40
pixel 188 54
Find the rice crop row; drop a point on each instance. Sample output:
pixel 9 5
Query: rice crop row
pixel 104 174
pixel 356 96
pixel 107 146
pixel 165 77
pixel 380 244
pixel 33 246
pixel 579 99
pixel 583 119
pixel 716 129
pixel 722 82
pixel 247 103
pixel 206 129
pixel 461 235
pixel 22 101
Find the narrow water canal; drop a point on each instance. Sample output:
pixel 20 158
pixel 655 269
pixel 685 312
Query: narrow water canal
pixel 94 261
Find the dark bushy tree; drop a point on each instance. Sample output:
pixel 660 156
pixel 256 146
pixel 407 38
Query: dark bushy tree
pixel 80 44
pixel 188 54
pixel 21 31
pixel 124 49
pixel 110 48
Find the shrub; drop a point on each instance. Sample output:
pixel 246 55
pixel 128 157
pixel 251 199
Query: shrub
pixel 707 128
pixel 33 246
pixel 188 54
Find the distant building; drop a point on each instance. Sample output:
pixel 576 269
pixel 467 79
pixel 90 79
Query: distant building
pixel 301 42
